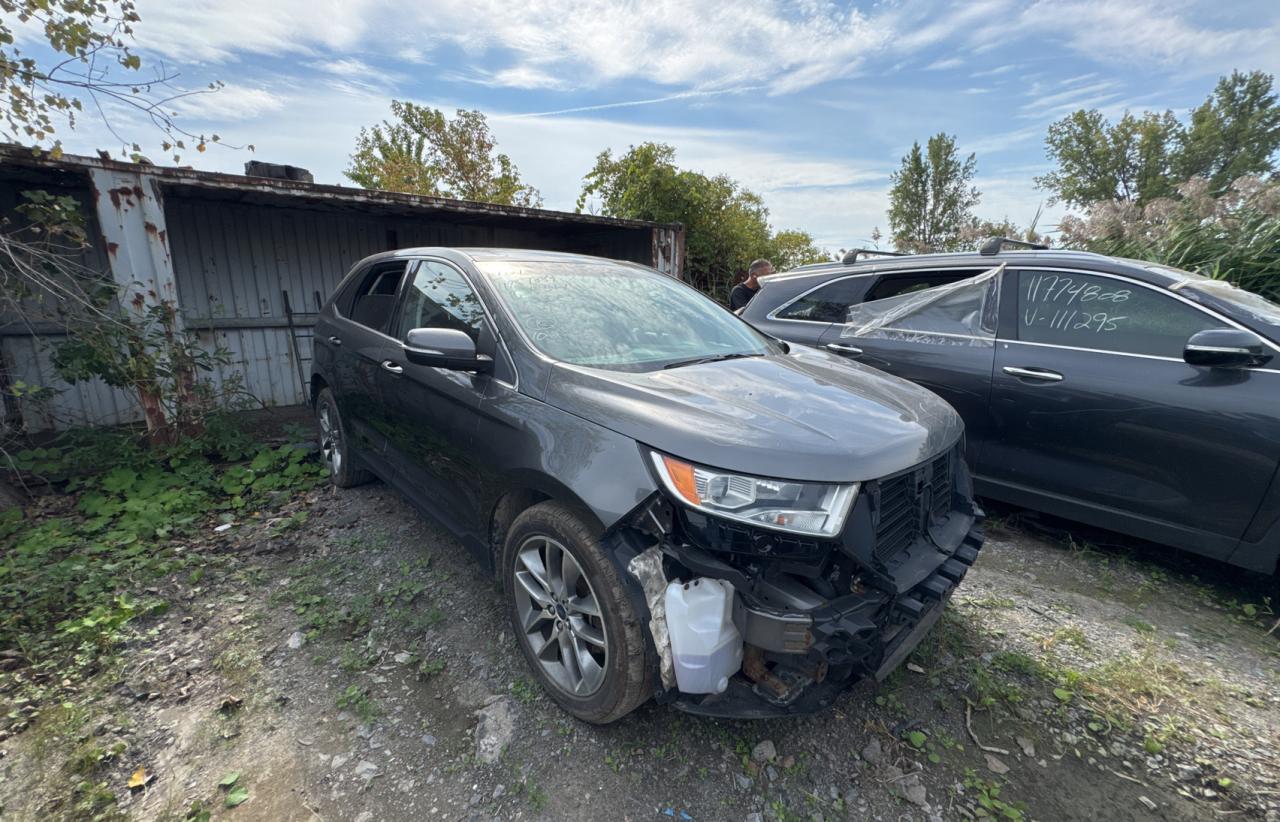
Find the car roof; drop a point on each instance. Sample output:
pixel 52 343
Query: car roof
pixel 1147 272
pixel 481 255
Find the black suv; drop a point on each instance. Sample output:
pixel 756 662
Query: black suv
pixel 1128 395
pixel 678 507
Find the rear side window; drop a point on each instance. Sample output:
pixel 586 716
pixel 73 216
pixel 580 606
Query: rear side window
pixel 440 297
pixel 827 304
pixel 891 285
pixel 370 300
pixel 1087 311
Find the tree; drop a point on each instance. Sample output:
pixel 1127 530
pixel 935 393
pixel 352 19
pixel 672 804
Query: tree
pixel 132 344
pixel 92 39
pixel 726 226
pixel 790 248
pixel 426 153
pixel 1131 160
pixel 932 196
pixel 1235 132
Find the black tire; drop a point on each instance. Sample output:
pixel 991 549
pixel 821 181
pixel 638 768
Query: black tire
pixel 627 666
pixel 334 450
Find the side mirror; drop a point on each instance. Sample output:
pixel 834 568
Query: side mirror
pixel 1225 348
pixel 445 348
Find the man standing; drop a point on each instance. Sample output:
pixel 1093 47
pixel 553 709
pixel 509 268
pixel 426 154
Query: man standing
pixel 745 290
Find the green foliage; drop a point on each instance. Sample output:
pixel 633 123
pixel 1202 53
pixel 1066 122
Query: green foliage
pixel 1142 158
pixel 86 40
pixel 726 226
pixel 358 701
pixel 66 578
pixel 1234 236
pixel 932 197
pixel 424 152
pixel 986 795
pixel 1131 160
pixel 1235 132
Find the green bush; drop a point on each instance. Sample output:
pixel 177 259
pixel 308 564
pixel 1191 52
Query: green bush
pixel 1233 237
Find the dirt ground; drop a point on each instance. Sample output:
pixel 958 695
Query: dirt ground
pixel 342 668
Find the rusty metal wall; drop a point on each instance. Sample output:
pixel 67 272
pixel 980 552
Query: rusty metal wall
pixel 232 261
pixel 229 261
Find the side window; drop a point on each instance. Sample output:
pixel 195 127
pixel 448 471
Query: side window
pixel 372 297
pixel 1088 311
pixel 892 285
pixel 828 304
pixel 440 297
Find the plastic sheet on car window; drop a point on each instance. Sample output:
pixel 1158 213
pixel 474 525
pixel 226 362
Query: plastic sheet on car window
pixel 1251 304
pixel 960 313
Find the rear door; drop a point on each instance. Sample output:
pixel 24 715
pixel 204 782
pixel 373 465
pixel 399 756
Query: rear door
pixel 354 335
pixel 807 317
pixel 1100 418
pixel 950 349
pixel 434 412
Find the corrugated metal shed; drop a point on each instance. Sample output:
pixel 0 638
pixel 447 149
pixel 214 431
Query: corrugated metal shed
pixel 227 249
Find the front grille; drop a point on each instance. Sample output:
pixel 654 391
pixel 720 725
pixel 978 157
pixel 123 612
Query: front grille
pixel 908 502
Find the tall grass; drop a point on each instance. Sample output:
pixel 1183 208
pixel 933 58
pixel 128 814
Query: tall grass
pixel 1233 237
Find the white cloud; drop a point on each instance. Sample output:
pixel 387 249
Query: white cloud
pixel 944 64
pixel 230 103
pixel 552 44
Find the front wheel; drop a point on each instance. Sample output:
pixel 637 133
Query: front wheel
pixel 572 617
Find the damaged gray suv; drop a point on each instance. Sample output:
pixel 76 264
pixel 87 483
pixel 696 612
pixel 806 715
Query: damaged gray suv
pixel 678 507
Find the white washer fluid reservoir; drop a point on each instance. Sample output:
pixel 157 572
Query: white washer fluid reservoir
pixel 705 644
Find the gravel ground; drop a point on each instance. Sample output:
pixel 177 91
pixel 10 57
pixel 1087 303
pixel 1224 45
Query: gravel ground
pixel 358 667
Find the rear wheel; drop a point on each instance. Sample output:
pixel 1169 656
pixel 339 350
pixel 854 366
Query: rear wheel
pixel 333 444
pixel 572 617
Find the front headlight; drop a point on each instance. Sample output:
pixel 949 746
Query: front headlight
pixel 814 508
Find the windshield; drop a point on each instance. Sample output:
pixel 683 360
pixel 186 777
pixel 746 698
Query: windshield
pixel 614 316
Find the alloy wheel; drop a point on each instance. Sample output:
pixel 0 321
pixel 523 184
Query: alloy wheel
pixel 560 616
pixel 330 439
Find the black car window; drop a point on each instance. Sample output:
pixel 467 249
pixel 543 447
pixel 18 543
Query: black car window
pixel 891 285
pixel 370 299
pixel 1087 311
pixel 440 297
pixel 828 304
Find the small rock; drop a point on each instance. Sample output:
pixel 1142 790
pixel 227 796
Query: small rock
pixel 366 769
pixel 339 760
pixel 764 752
pixel 1151 806
pixel 364 816
pixel 1028 747
pixel 499 791
pixel 744 782
pixel 1189 773
pixel 226 526
pixel 296 640
pixel 494 730
pixel 917 796
pixel 428 740
pixel 403 657
pixel 788 762
pixel 772 772
pixel 754 817
pixel 996 765
pixel 872 752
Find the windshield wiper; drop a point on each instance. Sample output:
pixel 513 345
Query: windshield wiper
pixel 712 358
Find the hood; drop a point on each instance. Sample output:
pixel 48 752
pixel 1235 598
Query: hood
pixel 806 415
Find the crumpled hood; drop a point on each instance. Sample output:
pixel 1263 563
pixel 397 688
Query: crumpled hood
pixel 806 415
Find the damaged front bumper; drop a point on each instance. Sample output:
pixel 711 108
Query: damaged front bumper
pixel 815 616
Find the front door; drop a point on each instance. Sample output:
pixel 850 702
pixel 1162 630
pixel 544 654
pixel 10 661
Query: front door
pixel 434 411
pixel 1100 418
pixel 936 329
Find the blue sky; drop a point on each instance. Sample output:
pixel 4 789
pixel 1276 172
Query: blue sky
pixel 810 104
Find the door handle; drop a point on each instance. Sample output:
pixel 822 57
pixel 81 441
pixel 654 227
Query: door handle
pixel 335 340
pixel 841 348
pixel 1033 373
pixel 388 365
